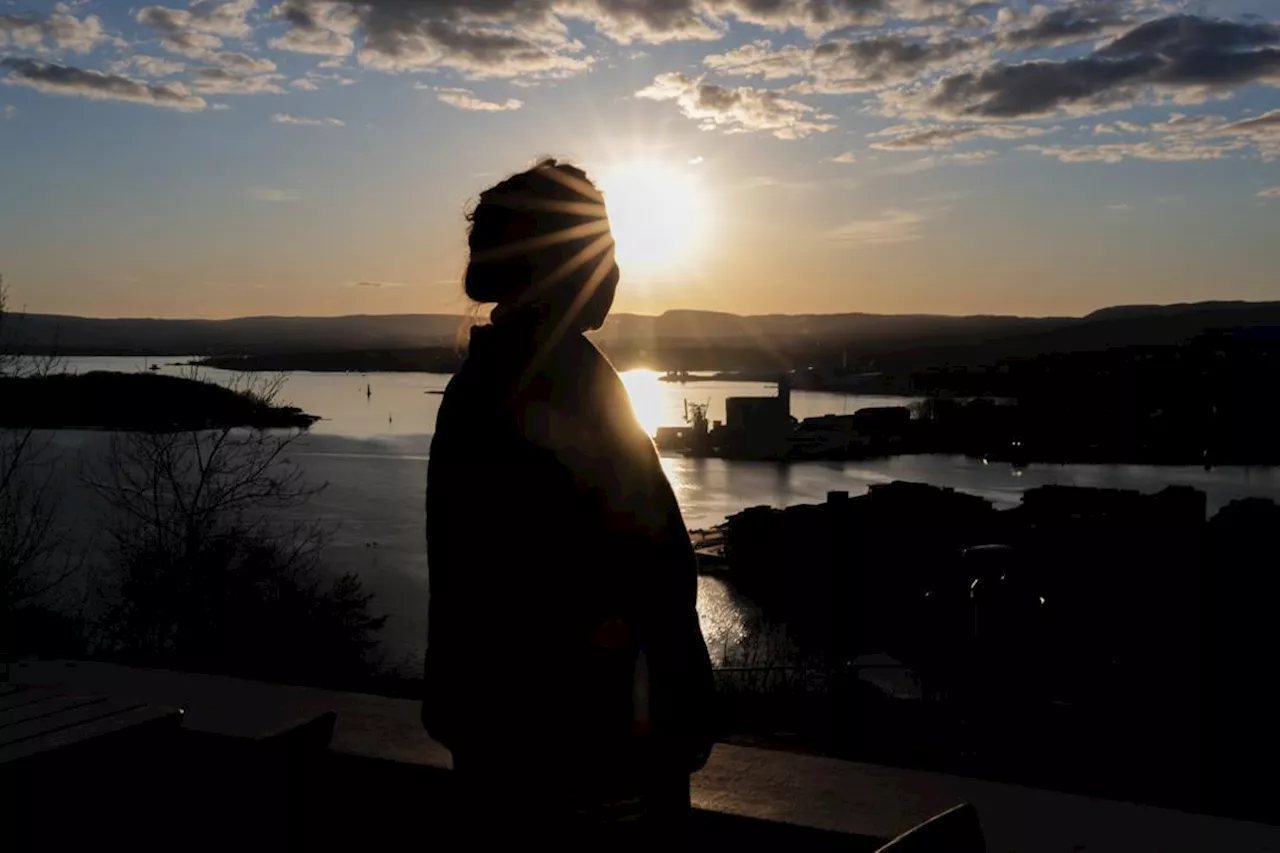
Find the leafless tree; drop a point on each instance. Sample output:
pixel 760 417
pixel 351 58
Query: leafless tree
pixel 211 575
pixel 176 489
pixel 29 540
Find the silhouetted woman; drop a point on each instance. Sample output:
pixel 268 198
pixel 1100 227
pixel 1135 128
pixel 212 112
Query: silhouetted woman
pixel 566 670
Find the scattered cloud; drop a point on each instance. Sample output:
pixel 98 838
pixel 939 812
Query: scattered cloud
pixel 913 137
pixel 241 63
pixel 697 161
pixel 306 84
pixel 191 44
pixel 1042 26
pixel 1180 138
pixel 846 157
pixel 9 111
pixel 891 226
pixel 1270 192
pixel 285 118
pixel 1118 152
pixel 933 161
pixel 147 66
pixel 322 42
pixel 377 284
pixel 52 78
pixel 1187 55
pixel 220 81
pixel 322 29
pixel 61 28
pixel 843 66
pixel 274 195
pixel 465 99
pixel 227 19
pixel 739 109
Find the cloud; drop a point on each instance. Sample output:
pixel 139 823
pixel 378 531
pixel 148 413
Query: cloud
pixel 285 118
pixel 628 22
pixel 321 42
pixel 198 34
pixel 933 161
pixel 1269 121
pixel 147 66
pixel 9 111
pixel 465 99
pixel 1180 53
pixel 843 66
pixel 736 110
pixel 275 195
pixel 220 81
pixel 1043 27
pixel 1270 192
pixel 1181 138
pixel 1261 132
pixel 305 84
pixel 914 137
pixel 318 28
pixel 507 38
pixel 225 19
pixel 891 226
pixel 61 27
pixel 398 29
pixel 191 44
pixel 58 79
pixel 377 284
pixel 820 17
pixel 1118 152
pixel 1121 206
pixel 478 38
pixel 241 63
pixel 846 157
pixel 476 52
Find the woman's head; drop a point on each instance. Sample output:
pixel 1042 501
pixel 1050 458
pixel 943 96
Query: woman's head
pixel 540 244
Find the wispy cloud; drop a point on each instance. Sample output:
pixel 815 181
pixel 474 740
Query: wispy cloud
pixel 1270 192
pixel 275 195
pixel 285 118
pixel 465 99
pixel 738 109
pixel 846 157
pixel 376 284
pixel 10 111
pixel 891 226
pixel 933 161
pixel 58 79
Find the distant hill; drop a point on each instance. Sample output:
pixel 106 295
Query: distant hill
pixel 88 335
pixel 879 341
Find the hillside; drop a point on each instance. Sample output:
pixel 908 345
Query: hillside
pixel 693 340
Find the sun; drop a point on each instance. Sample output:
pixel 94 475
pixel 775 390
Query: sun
pixel 659 215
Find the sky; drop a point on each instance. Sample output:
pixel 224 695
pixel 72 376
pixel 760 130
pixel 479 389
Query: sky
pixel 225 159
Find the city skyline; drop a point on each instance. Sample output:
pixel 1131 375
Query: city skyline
pixel 887 156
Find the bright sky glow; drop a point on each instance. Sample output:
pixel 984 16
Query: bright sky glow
pixel 244 157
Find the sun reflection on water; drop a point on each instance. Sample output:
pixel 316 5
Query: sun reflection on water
pixel 645 390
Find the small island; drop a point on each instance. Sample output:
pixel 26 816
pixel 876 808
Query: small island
pixel 137 401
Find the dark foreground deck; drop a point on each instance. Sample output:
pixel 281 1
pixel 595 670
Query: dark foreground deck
pixel 380 781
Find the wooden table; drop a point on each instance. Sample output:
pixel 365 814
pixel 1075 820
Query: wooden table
pixel 73 768
pixel 36 723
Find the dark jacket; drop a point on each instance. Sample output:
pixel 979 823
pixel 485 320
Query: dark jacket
pixel 557 555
